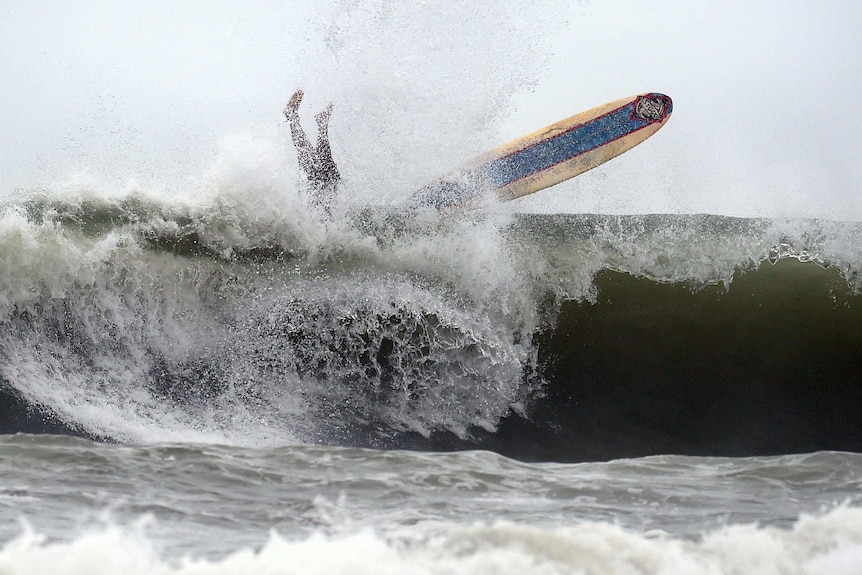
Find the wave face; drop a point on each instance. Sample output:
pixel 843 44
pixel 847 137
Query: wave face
pixel 242 317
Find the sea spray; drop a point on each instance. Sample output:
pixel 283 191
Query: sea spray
pixel 403 113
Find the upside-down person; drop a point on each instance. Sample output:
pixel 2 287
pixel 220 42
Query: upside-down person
pixel 315 161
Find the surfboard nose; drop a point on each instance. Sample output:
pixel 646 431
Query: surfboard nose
pixel 668 110
pixel 653 107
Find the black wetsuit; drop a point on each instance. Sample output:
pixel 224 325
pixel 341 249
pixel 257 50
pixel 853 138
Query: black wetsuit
pixel 316 161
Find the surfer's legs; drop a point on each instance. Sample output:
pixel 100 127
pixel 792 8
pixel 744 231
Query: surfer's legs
pixel 326 167
pixel 300 140
pixel 291 109
pixel 316 162
pixel 304 151
pixel 326 174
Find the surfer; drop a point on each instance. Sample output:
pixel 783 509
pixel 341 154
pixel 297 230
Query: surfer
pixel 315 161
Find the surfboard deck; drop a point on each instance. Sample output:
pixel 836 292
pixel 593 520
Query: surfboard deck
pixel 552 154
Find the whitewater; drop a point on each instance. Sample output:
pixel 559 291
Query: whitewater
pixel 651 369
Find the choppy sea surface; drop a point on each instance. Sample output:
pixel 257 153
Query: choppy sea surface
pixel 70 506
pixel 232 384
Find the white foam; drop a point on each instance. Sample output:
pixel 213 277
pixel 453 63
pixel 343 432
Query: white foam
pixel 828 544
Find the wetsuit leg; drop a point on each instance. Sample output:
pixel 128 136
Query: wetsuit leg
pixel 304 151
pixel 316 162
pixel 326 167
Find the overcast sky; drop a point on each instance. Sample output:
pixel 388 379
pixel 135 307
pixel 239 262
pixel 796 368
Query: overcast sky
pixel 765 94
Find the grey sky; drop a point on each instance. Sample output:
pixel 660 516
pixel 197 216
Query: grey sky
pixel 765 119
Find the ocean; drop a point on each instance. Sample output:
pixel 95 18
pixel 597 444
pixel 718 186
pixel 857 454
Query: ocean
pixel 228 382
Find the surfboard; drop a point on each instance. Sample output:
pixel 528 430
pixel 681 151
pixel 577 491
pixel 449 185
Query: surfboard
pixel 551 155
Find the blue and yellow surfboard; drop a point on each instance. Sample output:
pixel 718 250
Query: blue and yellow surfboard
pixel 553 154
